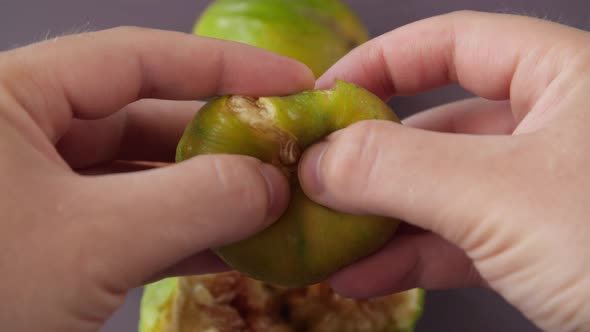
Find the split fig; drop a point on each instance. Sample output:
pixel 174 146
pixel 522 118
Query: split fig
pixel 231 302
pixel 309 242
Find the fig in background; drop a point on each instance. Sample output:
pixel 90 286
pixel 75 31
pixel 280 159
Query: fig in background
pixel 315 32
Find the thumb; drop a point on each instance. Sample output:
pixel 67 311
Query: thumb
pixel 146 222
pixel 437 181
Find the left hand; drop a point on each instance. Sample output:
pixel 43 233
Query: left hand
pixel 72 245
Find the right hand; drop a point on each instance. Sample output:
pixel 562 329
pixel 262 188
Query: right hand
pixel 502 188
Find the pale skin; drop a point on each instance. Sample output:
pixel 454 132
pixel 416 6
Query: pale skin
pixel 72 244
pixel 497 189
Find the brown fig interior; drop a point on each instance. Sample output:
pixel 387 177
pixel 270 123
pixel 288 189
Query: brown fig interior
pixel 232 302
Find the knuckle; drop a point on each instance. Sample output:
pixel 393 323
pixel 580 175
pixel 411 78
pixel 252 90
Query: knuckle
pixel 377 53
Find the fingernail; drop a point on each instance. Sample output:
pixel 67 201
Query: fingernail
pixel 310 167
pixel 276 189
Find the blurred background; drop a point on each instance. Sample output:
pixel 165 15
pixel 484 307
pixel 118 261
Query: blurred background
pixel 26 21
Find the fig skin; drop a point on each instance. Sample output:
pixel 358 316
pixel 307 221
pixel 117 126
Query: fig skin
pixel 314 32
pixel 309 242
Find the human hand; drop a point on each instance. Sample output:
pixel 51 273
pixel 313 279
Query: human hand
pixel 500 188
pixel 72 245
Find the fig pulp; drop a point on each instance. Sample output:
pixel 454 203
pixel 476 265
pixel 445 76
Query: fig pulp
pixel 309 242
pixel 315 32
pixel 231 302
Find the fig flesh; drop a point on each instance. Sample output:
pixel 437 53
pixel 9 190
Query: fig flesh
pixel 231 302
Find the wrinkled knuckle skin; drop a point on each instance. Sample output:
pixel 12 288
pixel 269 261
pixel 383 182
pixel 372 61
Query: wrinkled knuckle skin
pixel 242 185
pixel 352 159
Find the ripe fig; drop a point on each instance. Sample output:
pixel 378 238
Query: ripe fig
pixel 232 302
pixel 309 242
pixel 315 32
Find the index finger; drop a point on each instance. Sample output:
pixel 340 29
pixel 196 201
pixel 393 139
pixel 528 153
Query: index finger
pixel 92 75
pixel 494 56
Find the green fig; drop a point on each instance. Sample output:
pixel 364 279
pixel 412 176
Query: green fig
pixel 309 242
pixel 315 32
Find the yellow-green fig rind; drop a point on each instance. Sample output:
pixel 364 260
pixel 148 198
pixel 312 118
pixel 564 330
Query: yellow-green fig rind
pixel 307 245
pixel 309 242
pixel 156 303
pixel 315 32
pixel 265 127
pixel 408 315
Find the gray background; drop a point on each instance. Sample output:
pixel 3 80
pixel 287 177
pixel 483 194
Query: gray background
pixel 26 21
